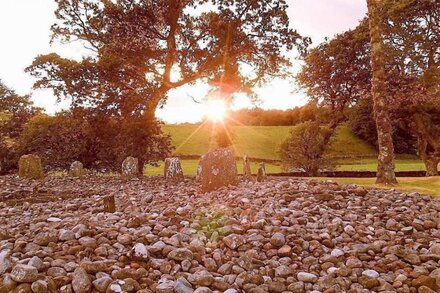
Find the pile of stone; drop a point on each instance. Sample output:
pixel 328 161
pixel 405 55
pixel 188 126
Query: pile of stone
pixel 281 235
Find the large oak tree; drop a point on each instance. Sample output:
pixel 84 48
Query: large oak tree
pixel 142 49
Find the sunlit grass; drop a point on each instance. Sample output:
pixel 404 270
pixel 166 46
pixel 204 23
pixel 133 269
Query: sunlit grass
pixel 190 168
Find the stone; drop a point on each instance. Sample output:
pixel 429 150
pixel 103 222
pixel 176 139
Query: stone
pixel 371 274
pixel 246 167
pixel 5 261
pixel 44 238
pixel 39 286
pixel 101 284
pixel 80 281
pixel 37 263
pixel 183 286
pixel 24 273
pixel 76 170
pixel 165 286
pixel 201 278
pixel 278 239
pixel 109 204
pixel 66 235
pixel 306 277
pixel 261 175
pixel 181 254
pixel 130 168
pixel 173 170
pixel 29 166
pixel 218 169
pixel 234 241
pixel 140 252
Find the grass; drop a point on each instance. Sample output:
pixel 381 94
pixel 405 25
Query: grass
pixel 190 168
pixel 262 142
pixel 423 185
pixel 403 163
pixel 259 141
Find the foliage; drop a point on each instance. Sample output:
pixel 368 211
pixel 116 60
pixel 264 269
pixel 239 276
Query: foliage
pixel 139 47
pixel 362 124
pixel 96 141
pixel 272 117
pixel 304 149
pixel 15 112
pixel 411 67
pixel 336 73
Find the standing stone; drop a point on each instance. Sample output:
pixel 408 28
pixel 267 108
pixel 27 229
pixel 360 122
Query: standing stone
pixel 109 204
pixel 218 169
pixel 130 167
pixel 29 166
pixel 261 176
pixel 199 170
pixel 246 167
pixel 76 170
pixel 173 169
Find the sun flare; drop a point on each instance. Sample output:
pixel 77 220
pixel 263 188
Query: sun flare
pixel 216 110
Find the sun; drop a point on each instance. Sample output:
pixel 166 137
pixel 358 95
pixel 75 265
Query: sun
pixel 216 110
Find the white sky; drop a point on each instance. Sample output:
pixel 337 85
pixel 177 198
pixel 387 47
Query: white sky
pixel 25 33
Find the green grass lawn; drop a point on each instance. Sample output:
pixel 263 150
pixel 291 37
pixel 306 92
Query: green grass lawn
pixel 190 168
pixel 423 185
pixel 403 163
pixel 262 142
pixel 258 141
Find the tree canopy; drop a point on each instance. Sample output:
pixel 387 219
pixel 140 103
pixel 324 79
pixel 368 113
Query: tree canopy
pixel 143 49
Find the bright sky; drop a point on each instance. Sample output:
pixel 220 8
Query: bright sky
pixel 25 33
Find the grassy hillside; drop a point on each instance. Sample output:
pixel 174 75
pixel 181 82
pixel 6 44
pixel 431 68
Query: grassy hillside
pixel 259 141
pixel 262 142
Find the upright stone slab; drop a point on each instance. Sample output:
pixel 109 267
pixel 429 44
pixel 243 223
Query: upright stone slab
pixel 261 176
pixel 218 169
pixel 130 168
pixel 173 169
pixel 29 166
pixel 246 167
pixel 76 170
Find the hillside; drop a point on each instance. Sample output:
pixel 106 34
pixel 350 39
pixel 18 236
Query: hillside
pixel 260 142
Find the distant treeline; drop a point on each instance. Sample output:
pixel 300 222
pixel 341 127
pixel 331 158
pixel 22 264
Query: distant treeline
pixel 261 117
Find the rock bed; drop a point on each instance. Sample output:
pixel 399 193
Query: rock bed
pixel 283 235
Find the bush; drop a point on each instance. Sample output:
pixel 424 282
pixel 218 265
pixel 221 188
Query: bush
pixel 304 149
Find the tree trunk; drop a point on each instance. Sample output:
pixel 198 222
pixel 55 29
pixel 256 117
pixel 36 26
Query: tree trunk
pixel 431 165
pixel 385 170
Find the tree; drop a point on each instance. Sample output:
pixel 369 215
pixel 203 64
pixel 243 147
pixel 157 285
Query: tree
pixel 362 124
pixel 15 112
pixel 144 49
pixel 305 147
pixel 99 142
pixel 386 166
pixel 409 43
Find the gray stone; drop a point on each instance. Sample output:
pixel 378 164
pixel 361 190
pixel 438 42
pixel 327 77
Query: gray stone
pixel 24 273
pixel 80 281
pixel 5 261
pixel 130 168
pixel 261 175
pixel 173 170
pixel 76 169
pixel 218 169
pixel 307 277
pixel 29 166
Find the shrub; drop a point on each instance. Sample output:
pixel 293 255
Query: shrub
pixel 304 149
